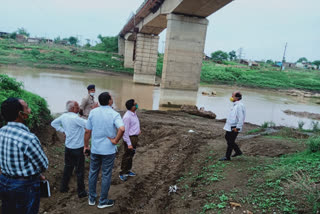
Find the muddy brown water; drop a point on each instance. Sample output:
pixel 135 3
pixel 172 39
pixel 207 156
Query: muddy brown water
pixel 58 86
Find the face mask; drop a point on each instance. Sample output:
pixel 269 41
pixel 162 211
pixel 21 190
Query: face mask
pixel 231 99
pixel 137 106
pixel 92 94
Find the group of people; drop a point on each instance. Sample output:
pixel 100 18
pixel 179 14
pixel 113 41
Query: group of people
pixel 22 159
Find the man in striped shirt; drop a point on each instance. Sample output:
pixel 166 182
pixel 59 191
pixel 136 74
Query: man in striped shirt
pixel 21 160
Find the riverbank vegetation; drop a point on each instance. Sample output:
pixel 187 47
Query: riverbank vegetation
pixel 40 114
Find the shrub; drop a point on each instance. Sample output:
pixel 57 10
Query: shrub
pixel 314 144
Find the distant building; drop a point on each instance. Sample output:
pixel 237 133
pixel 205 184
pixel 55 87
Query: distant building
pixel 289 65
pixel 249 63
pixel 306 65
pixel 34 40
pixel 4 34
pixel 21 38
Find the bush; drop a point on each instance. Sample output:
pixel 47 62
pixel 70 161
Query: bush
pixel 314 144
pixel 40 113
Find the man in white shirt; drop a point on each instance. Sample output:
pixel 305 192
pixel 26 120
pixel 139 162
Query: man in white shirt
pixel 73 127
pixel 234 125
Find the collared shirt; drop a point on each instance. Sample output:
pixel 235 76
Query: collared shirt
pixel 131 125
pixel 236 116
pixel 73 126
pixel 87 105
pixel 104 122
pixel 21 153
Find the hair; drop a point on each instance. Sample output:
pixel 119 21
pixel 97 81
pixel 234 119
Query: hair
pixel 130 104
pixel 104 98
pixel 70 105
pixel 10 109
pixel 238 95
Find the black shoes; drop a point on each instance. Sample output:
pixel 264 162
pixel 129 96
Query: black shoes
pixel 83 194
pixel 237 154
pixel 224 159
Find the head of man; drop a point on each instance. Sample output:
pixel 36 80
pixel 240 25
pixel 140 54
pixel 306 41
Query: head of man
pixel 73 106
pixel 15 110
pixel 91 89
pixel 131 105
pixel 105 99
pixel 236 96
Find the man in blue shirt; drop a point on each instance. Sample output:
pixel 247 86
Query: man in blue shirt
pixel 21 160
pixel 73 127
pixel 105 128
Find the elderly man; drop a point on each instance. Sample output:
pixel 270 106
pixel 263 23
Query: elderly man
pixel 106 128
pixel 73 127
pixel 88 103
pixel 234 125
pixel 21 160
pixel 130 138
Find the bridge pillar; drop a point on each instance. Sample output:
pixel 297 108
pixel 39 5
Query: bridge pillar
pixel 184 50
pixel 145 64
pixel 121 46
pixel 128 54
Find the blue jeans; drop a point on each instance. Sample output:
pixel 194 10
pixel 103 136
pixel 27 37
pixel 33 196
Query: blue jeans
pixel 19 196
pixel 96 162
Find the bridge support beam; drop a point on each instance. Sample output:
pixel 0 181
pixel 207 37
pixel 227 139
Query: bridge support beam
pixel 121 46
pixel 128 54
pixel 145 64
pixel 184 50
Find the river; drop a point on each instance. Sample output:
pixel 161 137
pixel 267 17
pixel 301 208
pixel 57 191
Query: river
pixel 57 87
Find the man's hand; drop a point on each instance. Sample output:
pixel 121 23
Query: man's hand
pixel 235 129
pixel 130 147
pixel 113 141
pixel 84 150
pixel 42 178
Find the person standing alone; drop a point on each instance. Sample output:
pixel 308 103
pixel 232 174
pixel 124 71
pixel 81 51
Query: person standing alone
pixel 73 127
pixel 130 138
pixel 234 125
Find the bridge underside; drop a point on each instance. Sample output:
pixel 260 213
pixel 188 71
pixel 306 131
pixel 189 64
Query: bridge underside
pixel 186 33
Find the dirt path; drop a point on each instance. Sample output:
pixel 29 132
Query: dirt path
pixel 166 152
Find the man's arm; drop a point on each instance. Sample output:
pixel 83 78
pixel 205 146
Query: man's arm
pixel 120 132
pixel 36 155
pixel 56 123
pixel 83 105
pixel 126 138
pixel 240 116
pixel 87 136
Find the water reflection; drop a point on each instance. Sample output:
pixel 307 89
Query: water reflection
pixel 57 87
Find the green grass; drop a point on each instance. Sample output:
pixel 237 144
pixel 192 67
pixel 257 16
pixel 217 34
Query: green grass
pixel 15 53
pixel 40 113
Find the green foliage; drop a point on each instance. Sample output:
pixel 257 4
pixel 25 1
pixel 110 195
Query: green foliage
pixel 317 63
pixel 232 55
pixel 270 61
pixel 314 144
pixel 300 125
pixel 23 31
pixel 269 124
pixel 108 44
pixel 13 35
pixel 159 65
pixel 315 126
pixel 40 113
pixel 219 56
pixel 302 59
pixel 73 40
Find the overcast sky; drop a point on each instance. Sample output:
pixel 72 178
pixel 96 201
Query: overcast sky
pixel 260 27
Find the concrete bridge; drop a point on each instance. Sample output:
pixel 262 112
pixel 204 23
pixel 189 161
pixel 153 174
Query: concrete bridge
pixel 186 25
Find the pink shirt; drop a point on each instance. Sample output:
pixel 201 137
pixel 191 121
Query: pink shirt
pixel 132 126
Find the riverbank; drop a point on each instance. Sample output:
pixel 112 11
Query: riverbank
pixel 81 60
pixel 263 180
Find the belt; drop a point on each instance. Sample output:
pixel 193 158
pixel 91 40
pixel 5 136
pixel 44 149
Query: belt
pixel 133 135
pixel 22 177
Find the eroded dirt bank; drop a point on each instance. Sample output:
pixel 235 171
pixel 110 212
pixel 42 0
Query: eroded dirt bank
pixel 167 148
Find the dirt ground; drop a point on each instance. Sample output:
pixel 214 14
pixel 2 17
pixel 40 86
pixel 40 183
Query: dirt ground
pixel 167 149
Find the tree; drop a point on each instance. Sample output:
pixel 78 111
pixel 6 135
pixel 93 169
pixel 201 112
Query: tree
pixel 270 61
pixel 302 59
pixel 317 63
pixel 87 45
pixel 57 40
pixel 219 56
pixel 13 35
pixel 23 31
pixel 107 43
pixel 232 55
pixel 73 40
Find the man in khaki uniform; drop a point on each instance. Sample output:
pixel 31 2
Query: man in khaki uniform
pixel 88 103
